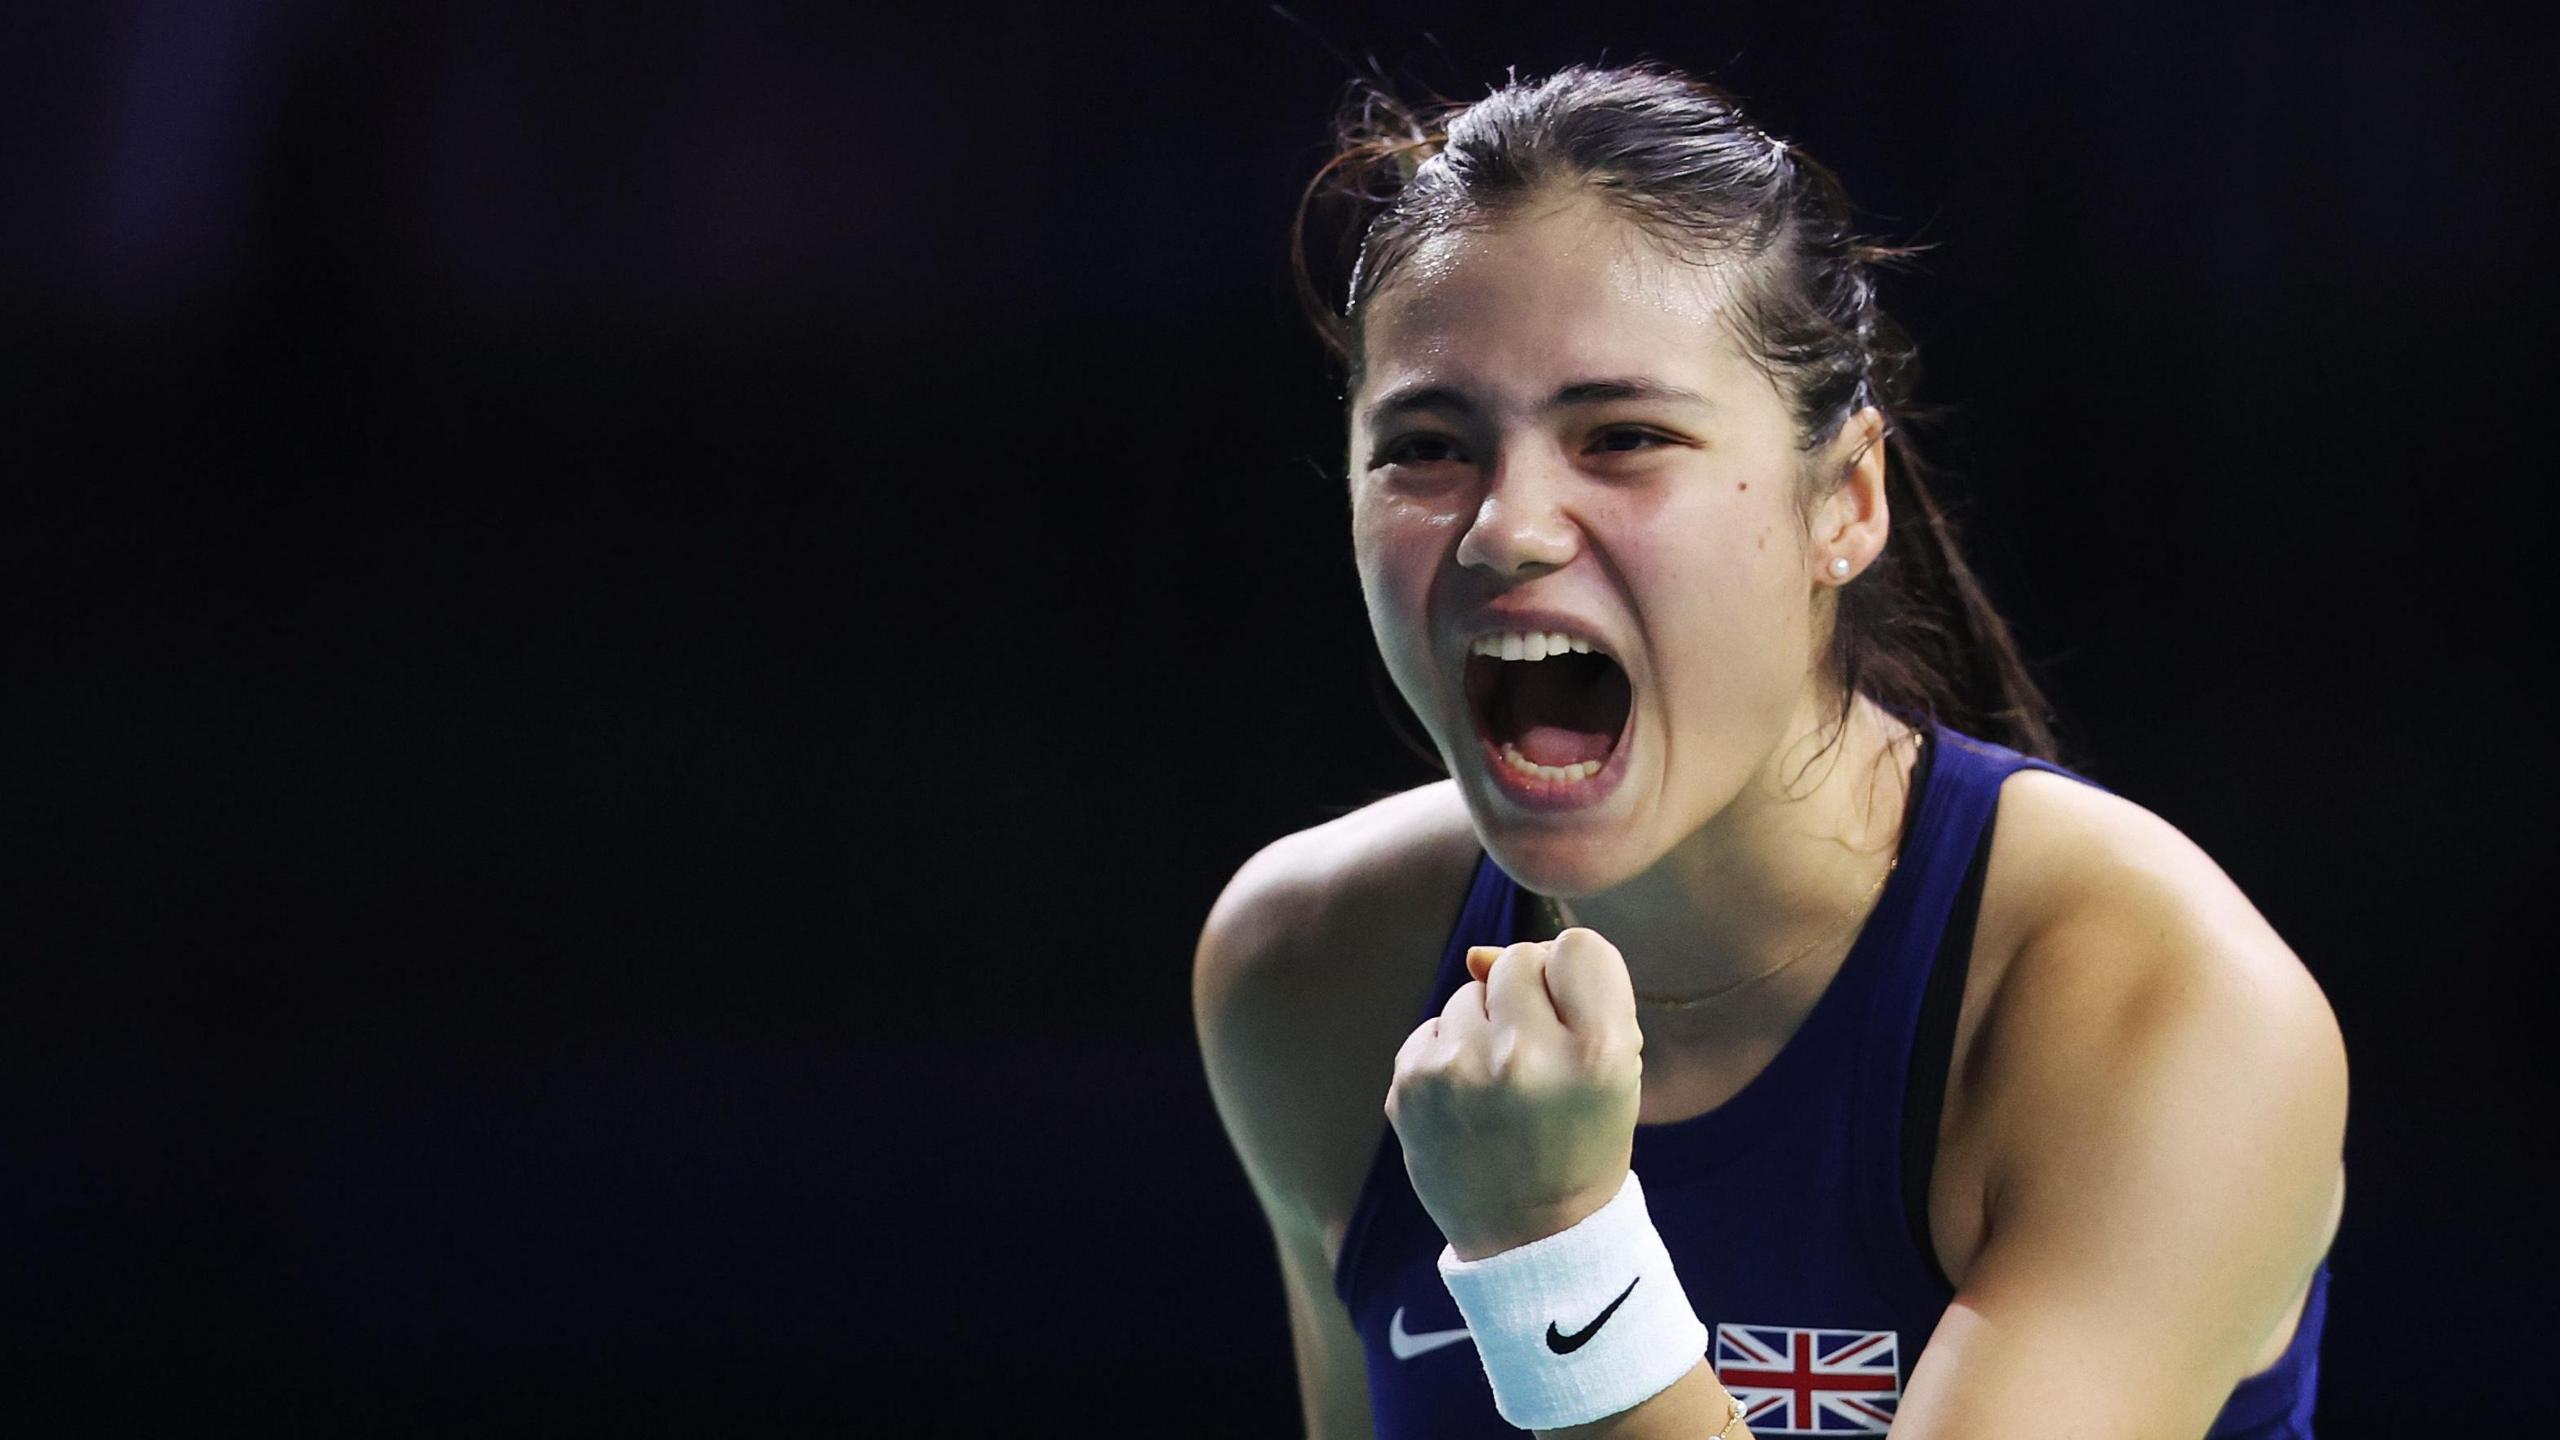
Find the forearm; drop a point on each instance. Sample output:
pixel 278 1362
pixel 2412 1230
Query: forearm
pixel 1694 1408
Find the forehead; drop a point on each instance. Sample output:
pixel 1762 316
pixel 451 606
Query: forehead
pixel 1565 290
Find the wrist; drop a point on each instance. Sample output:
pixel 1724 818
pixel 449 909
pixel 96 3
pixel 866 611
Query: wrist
pixel 1531 1227
pixel 1580 1324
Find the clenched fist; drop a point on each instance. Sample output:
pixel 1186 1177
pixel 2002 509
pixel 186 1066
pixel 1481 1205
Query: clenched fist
pixel 1516 1104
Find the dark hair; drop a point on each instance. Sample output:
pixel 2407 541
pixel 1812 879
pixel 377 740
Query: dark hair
pixel 1677 156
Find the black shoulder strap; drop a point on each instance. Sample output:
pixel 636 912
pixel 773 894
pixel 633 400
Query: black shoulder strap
pixel 1933 1044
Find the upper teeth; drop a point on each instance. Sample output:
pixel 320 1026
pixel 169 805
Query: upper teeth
pixel 1515 645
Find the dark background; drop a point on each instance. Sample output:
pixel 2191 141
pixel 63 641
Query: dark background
pixel 643 633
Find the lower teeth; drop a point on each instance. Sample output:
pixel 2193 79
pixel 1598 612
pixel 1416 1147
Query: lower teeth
pixel 1562 774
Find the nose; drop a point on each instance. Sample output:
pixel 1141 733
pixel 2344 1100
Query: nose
pixel 1519 524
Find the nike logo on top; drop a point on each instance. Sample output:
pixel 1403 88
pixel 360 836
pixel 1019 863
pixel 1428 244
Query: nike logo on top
pixel 1404 1344
pixel 1564 1344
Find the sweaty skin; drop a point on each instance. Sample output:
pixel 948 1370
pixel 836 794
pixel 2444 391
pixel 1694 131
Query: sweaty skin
pixel 2138 1166
pixel 1668 526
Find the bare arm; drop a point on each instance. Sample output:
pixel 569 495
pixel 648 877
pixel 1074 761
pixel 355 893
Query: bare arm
pixel 1333 1382
pixel 1258 1013
pixel 2172 1104
pixel 2168 1183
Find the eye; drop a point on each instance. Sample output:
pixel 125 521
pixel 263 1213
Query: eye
pixel 1626 440
pixel 1422 447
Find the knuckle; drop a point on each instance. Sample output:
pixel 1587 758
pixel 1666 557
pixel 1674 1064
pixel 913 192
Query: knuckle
pixel 1467 1062
pixel 1602 1059
pixel 1624 1068
pixel 1544 1075
pixel 1466 998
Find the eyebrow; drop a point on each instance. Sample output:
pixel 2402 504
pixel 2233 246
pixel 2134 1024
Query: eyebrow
pixel 1418 398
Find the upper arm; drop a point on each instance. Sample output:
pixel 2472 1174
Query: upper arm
pixel 2169 1108
pixel 1333 1374
pixel 1264 983
pixel 1255 1003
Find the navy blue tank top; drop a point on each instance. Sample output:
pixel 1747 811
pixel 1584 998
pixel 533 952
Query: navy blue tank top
pixel 1796 1212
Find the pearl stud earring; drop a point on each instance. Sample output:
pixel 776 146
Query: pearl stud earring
pixel 1839 567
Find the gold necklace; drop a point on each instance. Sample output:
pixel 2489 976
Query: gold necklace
pixel 1555 923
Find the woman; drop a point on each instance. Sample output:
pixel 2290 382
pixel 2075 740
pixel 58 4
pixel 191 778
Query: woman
pixel 1756 1056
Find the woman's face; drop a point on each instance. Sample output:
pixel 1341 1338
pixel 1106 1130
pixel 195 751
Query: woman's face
pixel 1554 417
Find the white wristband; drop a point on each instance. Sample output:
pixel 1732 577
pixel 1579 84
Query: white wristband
pixel 1584 1323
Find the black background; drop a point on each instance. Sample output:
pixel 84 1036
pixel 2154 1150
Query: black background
pixel 644 632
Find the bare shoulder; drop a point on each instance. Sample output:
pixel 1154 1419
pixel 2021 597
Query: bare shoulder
pixel 1311 969
pixel 1309 888
pixel 2138 986
pixel 2160 1114
pixel 2113 906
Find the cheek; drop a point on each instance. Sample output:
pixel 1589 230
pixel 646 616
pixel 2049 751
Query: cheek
pixel 1730 563
pixel 1395 589
pixel 1394 541
pixel 1395 558
pixel 1728 598
pixel 1374 546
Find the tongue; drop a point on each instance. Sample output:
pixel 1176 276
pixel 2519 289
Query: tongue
pixel 1565 710
pixel 1559 745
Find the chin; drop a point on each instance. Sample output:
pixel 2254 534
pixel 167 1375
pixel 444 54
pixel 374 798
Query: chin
pixel 1570 868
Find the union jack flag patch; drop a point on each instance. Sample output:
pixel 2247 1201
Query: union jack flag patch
pixel 1796 1381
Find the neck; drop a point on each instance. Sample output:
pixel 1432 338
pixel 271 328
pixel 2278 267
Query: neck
pixel 1764 901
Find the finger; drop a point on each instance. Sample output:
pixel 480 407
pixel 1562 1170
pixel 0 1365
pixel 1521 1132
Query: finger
pixel 1516 995
pixel 1587 979
pixel 1410 1057
pixel 1409 1054
pixel 1480 960
pixel 1462 1019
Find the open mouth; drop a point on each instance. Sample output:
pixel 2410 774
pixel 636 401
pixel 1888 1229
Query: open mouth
pixel 1559 718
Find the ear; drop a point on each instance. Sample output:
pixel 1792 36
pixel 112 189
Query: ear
pixel 1851 520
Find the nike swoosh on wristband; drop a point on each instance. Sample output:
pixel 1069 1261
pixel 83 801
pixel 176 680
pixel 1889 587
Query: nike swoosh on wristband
pixel 1564 1344
pixel 1404 1344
